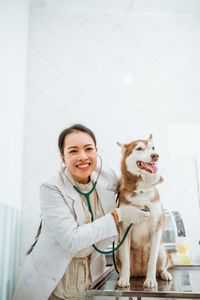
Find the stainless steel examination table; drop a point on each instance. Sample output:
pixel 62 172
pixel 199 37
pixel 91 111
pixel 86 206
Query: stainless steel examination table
pixel 185 284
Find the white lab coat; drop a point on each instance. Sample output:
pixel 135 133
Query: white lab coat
pixel 64 233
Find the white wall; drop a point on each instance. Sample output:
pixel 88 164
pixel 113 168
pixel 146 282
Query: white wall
pixel 13 55
pixel 13 62
pixel 122 70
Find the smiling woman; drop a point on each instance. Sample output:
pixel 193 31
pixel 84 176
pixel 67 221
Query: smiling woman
pixel 79 155
pixel 61 263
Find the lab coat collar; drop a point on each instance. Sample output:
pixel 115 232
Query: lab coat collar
pixel 73 197
pixel 69 182
pixel 102 181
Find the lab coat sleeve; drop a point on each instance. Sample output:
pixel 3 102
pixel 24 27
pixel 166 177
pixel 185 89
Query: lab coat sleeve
pixel 63 226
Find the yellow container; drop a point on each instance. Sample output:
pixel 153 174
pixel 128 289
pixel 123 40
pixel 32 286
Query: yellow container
pixel 184 256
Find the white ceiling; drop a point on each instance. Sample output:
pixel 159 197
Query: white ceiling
pixel 182 6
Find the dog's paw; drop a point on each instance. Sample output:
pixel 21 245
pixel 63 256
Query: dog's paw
pixel 150 283
pixel 161 179
pixel 165 275
pixel 123 282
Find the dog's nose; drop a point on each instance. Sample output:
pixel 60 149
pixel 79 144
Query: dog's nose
pixel 154 156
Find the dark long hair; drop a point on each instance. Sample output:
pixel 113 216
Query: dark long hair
pixel 74 128
pixel 61 139
pixel 36 239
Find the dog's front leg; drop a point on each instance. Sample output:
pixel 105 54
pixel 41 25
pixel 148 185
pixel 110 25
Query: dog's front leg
pixel 124 256
pixel 150 281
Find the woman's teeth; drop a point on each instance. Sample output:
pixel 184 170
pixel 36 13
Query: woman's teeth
pixel 83 166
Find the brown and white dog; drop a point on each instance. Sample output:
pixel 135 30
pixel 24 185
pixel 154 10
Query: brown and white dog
pixel 142 253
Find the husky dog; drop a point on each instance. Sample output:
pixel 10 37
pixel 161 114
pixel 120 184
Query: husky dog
pixel 142 253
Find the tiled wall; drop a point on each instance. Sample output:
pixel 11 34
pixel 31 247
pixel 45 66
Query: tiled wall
pixel 125 74
pixel 9 249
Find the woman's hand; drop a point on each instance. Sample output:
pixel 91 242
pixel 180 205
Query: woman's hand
pixel 130 214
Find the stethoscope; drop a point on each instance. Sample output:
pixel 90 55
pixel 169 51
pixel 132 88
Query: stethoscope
pixel 87 196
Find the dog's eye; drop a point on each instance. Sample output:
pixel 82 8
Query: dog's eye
pixel 139 149
pixel 153 148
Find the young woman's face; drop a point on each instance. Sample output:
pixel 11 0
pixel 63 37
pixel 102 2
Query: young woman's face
pixel 80 155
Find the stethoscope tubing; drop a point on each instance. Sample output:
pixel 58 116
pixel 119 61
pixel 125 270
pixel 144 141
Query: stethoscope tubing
pixel 91 212
pixel 92 219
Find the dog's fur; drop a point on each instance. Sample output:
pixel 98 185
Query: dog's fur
pixel 142 253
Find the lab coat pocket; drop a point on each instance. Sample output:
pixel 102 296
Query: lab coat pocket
pixel 39 253
pixel 54 263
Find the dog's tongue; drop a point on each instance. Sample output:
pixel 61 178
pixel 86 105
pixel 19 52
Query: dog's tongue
pixel 151 168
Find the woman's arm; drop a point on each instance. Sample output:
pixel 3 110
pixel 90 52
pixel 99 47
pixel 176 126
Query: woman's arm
pixel 61 222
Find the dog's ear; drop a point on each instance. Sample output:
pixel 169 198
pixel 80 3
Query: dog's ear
pixel 150 137
pixel 122 146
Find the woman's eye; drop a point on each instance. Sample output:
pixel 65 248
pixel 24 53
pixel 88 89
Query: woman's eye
pixel 73 151
pixel 139 149
pixel 89 149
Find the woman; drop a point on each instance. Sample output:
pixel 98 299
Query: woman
pixel 62 262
